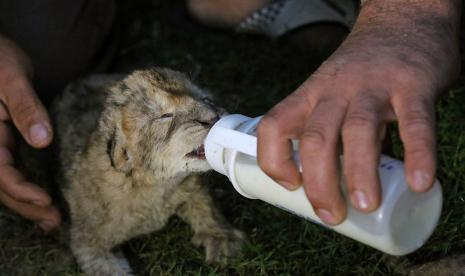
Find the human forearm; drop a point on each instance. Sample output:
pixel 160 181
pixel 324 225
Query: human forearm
pixel 426 32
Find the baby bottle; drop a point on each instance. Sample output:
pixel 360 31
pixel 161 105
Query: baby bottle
pixel 402 223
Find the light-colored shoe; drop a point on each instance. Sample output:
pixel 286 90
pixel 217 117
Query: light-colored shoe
pixel 282 16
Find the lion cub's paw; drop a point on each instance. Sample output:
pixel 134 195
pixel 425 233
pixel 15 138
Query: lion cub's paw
pixel 220 246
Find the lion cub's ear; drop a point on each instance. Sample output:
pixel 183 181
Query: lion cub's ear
pixel 120 157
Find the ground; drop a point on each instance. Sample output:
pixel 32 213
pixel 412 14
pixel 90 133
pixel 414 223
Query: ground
pixel 250 75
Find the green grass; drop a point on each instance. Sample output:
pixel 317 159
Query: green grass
pixel 249 75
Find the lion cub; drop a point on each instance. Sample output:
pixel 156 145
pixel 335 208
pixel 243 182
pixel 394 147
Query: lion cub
pixel 130 148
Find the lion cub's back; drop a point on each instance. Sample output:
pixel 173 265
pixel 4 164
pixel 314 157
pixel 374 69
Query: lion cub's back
pixel 76 112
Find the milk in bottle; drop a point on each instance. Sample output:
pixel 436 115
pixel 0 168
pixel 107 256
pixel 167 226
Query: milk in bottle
pixel 402 223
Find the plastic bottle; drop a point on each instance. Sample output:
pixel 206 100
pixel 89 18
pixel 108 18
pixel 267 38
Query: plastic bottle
pixel 402 223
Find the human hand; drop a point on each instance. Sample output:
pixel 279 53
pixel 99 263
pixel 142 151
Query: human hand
pixel 20 104
pixel 396 60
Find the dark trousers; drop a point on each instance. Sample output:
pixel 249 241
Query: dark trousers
pixel 64 39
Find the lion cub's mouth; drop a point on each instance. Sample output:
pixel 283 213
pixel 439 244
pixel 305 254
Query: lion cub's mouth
pixel 198 153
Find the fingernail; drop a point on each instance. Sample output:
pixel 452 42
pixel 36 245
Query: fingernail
pixel 38 134
pixel 47 225
pixel 420 181
pixel 326 216
pixel 289 185
pixel 360 199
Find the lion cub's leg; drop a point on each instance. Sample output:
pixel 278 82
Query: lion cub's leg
pixel 94 254
pixel 220 239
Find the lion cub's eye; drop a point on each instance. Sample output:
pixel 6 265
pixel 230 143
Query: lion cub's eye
pixel 167 115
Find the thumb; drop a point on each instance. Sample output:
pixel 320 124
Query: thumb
pixel 27 112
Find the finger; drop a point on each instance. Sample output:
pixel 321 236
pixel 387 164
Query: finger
pixel 4 115
pixel 362 134
pixel 275 131
pixel 7 138
pixel 13 184
pixel 320 160
pixel 27 112
pixel 48 217
pixel 416 128
pixel 5 157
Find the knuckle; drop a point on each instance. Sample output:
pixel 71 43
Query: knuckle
pixel 270 167
pixel 358 119
pixel 23 111
pixel 418 136
pixel 268 122
pixel 313 137
pixel 11 189
pixel 421 148
pixel 11 81
pixel 418 130
pixel 15 194
pixel 408 78
pixel 10 77
pixel 417 122
pixel 420 153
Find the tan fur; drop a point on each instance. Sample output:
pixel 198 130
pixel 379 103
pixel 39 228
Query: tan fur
pixel 124 153
pixel 449 266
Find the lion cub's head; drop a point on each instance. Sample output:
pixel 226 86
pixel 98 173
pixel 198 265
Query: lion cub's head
pixel 155 121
